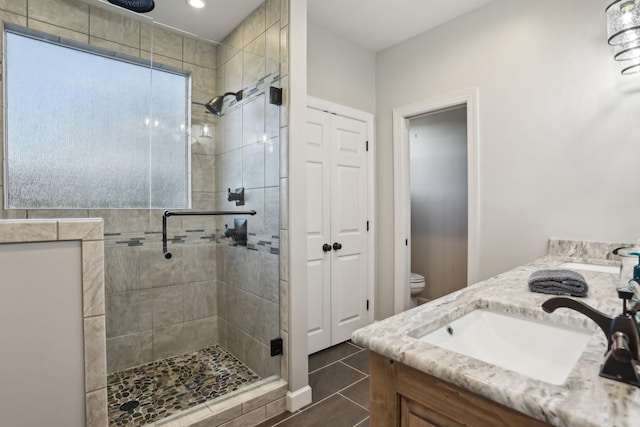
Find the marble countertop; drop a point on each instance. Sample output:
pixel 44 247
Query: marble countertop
pixel 585 399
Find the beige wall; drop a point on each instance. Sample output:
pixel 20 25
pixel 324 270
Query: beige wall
pixel 556 139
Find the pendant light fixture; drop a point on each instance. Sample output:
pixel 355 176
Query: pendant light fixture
pixel 623 33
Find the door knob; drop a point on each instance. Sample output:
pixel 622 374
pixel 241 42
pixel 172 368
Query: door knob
pixel 326 247
pixel 337 246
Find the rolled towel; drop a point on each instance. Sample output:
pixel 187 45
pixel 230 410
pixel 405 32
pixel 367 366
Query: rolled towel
pixel 558 282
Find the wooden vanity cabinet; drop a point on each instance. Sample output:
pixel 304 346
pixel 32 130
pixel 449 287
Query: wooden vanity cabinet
pixel 405 397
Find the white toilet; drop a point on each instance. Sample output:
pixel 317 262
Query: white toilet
pixel 416 284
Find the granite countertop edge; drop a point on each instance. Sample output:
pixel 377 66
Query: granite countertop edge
pixel 585 399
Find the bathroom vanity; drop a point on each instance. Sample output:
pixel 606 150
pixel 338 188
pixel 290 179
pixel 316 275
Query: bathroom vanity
pixel 417 383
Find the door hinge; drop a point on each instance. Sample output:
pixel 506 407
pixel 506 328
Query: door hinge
pixel 367 305
pixel 367 225
pixel 406 242
pixel 276 347
pixel 367 145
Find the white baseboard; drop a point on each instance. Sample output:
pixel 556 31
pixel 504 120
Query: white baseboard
pixel 298 399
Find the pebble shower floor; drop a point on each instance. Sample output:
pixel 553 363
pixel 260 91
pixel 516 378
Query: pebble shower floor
pixel 171 385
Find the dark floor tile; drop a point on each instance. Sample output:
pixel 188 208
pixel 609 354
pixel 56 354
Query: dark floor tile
pixel 360 361
pixel 336 411
pixel 278 418
pixel 365 423
pixel 330 355
pixel 359 393
pixel 332 379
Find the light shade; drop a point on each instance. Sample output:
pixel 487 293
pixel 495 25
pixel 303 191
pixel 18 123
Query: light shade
pixel 633 69
pixel 623 22
pixel 625 52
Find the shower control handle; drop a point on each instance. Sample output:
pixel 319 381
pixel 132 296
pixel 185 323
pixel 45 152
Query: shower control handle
pixel 337 246
pixel 326 247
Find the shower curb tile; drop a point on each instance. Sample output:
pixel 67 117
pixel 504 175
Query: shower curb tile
pixel 96 408
pixel 264 395
pixel 222 413
pixel 249 419
pixel 276 407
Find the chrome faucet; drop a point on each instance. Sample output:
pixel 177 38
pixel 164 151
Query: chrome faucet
pixel 623 339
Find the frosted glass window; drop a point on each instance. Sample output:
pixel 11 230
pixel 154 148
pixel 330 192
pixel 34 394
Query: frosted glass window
pixel 83 130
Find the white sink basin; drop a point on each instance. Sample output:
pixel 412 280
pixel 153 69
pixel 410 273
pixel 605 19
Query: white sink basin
pixel 590 267
pixel 539 350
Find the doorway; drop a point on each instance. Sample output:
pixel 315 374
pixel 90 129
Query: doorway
pixel 438 198
pixel 402 120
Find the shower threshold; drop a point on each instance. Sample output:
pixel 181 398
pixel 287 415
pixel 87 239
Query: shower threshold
pixel 169 386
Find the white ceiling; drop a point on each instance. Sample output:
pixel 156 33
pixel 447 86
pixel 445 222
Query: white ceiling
pixel 379 24
pixel 371 24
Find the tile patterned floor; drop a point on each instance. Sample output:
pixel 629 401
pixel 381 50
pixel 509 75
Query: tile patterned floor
pixel 168 386
pixel 339 379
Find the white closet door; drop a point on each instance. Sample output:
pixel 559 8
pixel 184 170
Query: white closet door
pixel 349 281
pixel 337 275
pixel 318 229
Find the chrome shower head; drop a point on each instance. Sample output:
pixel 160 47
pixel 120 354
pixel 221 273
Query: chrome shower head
pixel 215 105
pixel 139 6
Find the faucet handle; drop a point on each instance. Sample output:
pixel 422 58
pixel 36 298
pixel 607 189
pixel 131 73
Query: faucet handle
pixel 625 295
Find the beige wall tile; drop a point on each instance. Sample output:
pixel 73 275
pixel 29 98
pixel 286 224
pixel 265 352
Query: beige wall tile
pixel 95 350
pixel 272 48
pixel 15 6
pixel 69 14
pixel 202 173
pixel 284 108
pixel 272 12
pixel 254 25
pixel 200 52
pixel 284 306
pixel 175 63
pixel 86 230
pixel 203 82
pixel 113 27
pixel 164 42
pixel 284 51
pixel 284 12
pixel 58 31
pixel 93 278
pixel 253 69
pixel 123 352
pixel 284 152
pixel 233 74
pixel 284 360
pixel 257 46
pixel 31 231
pixel 96 408
pixel 116 47
pixel 284 255
pixel 122 267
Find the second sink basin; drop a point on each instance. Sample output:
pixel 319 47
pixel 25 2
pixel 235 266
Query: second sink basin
pixel 537 349
pixel 590 267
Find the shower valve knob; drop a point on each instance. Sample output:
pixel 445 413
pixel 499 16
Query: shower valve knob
pixel 326 247
pixel 337 246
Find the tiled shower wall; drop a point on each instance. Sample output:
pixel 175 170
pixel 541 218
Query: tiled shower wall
pixel 158 308
pixel 248 280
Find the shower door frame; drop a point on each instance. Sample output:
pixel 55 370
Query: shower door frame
pixel 401 180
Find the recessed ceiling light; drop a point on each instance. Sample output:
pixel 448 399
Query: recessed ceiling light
pixel 197 4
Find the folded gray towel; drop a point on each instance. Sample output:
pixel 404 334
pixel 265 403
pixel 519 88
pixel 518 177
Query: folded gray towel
pixel 558 282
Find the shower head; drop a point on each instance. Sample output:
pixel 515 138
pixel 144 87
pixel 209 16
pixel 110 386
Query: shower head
pixel 139 6
pixel 215 105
